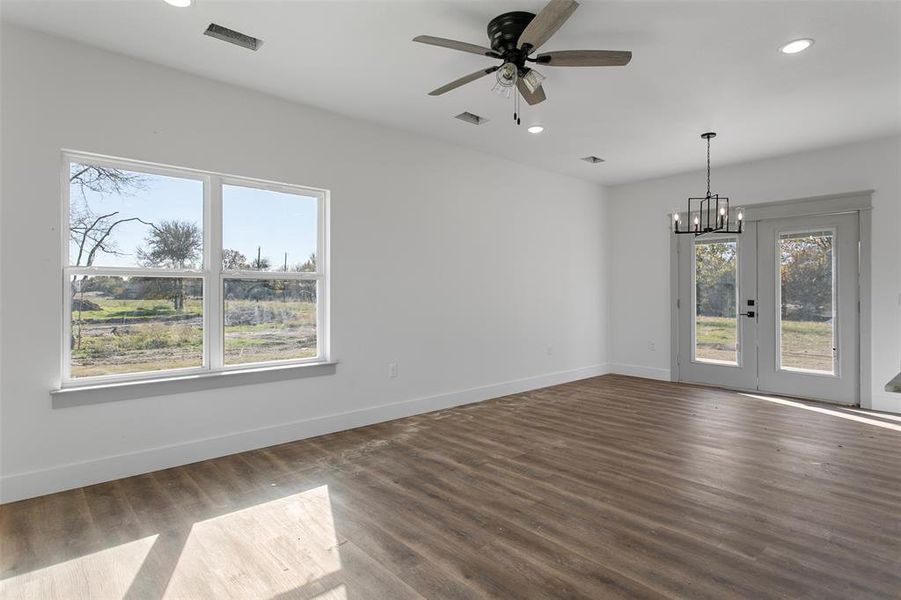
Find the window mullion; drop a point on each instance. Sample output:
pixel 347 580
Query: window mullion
pixel 263 275
pixel 214 320
pixel 133 272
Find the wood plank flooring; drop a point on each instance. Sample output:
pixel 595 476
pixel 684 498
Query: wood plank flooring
pixel 611 487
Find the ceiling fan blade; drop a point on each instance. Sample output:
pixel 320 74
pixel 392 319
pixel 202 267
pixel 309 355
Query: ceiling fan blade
pixel 463 81
pixel 531 97
pixel 546 23
pixel 585 58
pixel 455 45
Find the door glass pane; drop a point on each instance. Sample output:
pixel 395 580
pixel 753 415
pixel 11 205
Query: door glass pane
pixel 135 324
pixel 269 319
pixel 807 305
pixel 716 324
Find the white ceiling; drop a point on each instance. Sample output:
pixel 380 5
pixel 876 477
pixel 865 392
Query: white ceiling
pixel 697 66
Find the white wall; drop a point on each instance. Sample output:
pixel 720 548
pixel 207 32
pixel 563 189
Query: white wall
pixel 461 267
pixel 639 272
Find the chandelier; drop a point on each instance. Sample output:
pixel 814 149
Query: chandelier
pixel 713 214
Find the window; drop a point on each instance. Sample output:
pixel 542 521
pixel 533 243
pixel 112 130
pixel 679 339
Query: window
pixel 170 271
pixel 806 289
pixel 716 321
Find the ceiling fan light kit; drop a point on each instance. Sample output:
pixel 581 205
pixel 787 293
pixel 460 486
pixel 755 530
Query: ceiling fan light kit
pixel 532 80
pixel 513 37
pixel 506 78
pixel 713 214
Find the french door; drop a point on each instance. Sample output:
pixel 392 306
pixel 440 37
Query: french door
pixel 773 309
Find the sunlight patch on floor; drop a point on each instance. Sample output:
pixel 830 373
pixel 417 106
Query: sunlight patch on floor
pixel 874 415
pixel 107 573
pixel 336 593
pixel 826 411
pixel 260 551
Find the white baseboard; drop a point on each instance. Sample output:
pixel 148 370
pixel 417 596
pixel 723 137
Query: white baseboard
pixel 640 371
pixel 19 486
pixel 886 402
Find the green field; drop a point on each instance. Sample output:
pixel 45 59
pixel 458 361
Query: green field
pixel 131 336
pixel 805 344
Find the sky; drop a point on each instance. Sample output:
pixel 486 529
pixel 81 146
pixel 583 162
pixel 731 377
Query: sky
pixel 276 222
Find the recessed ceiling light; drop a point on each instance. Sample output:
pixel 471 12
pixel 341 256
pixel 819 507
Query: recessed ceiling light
pixel 536 129
pixel 796 46
pixel 179 3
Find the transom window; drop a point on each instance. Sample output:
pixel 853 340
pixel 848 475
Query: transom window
pixel 169 271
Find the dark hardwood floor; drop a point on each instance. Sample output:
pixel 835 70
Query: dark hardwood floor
pixel 612 487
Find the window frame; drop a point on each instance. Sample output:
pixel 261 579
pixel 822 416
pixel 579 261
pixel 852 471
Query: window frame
pixel 715 239
pixel 211 273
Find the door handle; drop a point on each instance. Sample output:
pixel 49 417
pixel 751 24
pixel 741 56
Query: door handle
pixel 750 313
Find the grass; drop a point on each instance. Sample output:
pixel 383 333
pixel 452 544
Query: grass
pixel 716 339
pixel 135 336
pixel 805 344
pixel 138 310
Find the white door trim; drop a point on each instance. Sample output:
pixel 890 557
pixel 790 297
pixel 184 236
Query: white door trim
pixel 858 201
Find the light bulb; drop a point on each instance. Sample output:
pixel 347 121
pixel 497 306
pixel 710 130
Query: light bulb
pixel 722 211
pixel 697 220
pixel 179 3
pixel 536 129
pixel 741 215
pixel 533 80
pixel 676 217
pixel 506 75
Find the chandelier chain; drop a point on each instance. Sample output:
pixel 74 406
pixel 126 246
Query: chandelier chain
pixel 708 167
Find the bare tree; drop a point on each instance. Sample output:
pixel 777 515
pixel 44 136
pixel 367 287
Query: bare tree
pixel 92 233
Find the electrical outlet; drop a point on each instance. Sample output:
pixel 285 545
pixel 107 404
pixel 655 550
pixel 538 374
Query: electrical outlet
pixel 392 370
pixel 652 346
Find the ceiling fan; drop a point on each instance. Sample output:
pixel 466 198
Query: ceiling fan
pixel 514 36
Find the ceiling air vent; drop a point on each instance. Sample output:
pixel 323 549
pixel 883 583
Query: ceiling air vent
pixel 233 37
pixel 593 159
pixel 470 118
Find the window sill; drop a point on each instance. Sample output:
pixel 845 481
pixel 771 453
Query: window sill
pixel 130 390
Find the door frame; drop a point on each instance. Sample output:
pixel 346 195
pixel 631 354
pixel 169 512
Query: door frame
pixel 860 202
